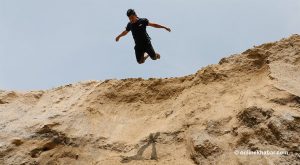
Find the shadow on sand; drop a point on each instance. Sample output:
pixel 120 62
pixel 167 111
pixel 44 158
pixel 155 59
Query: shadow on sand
pixel 139 155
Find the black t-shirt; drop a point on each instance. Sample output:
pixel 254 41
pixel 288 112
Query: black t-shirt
pixel 138 31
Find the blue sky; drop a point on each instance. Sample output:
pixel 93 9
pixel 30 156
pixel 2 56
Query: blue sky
pixel 48 43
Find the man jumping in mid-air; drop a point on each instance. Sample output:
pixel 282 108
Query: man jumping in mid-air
pixel 141 38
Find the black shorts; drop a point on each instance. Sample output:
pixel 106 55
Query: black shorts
pixel 140 50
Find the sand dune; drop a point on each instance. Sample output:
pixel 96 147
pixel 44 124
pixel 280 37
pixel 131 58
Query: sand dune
pixel 249 101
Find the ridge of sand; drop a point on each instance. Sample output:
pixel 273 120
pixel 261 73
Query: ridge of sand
pixel 249 101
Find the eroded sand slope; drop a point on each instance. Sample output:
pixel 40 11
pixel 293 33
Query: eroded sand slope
pixel 249 101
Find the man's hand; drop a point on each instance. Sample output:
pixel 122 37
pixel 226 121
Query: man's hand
pixel 117 38
pixel 168 29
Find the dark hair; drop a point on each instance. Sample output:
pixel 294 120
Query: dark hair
pixel 130 12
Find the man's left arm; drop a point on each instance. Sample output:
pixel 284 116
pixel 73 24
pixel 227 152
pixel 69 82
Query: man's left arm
pixel 155 25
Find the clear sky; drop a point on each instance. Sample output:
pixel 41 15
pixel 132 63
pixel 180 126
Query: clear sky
pixel 48 43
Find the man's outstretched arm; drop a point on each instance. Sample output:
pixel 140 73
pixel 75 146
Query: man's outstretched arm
pixel 124 33
pixel 155 25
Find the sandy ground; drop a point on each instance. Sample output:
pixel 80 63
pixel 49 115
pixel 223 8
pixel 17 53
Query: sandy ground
pixel 249 101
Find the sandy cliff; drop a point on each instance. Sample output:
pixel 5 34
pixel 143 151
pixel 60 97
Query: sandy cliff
pixel 249 101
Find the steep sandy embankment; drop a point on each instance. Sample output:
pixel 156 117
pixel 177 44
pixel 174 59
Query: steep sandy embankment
pixel 249 101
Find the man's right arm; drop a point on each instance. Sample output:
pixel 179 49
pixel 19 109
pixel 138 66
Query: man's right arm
pixel 124 33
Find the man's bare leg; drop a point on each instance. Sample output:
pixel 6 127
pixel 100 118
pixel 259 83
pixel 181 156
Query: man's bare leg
pixel 145 56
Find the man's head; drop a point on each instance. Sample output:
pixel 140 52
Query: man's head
pixel 132 15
